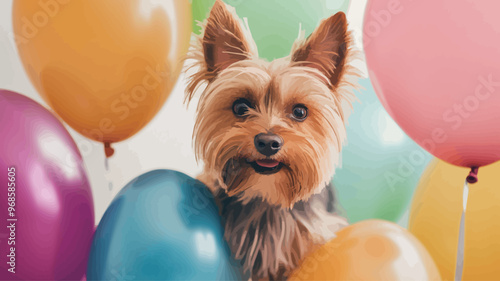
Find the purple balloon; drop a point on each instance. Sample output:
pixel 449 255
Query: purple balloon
pixel 47 219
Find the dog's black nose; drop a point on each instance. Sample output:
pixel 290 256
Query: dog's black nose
pixel 268 144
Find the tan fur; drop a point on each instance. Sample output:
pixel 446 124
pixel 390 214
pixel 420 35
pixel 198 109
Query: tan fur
pixel 271 241
pixel 317 74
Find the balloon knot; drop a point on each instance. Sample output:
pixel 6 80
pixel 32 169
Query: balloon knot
pixel 472 177
pixel 108 150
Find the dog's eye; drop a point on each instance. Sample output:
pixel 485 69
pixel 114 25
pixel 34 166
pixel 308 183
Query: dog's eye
pixel 241 107
pixel 299 112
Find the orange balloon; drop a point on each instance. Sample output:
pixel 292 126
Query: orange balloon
pixel 435 219
pixel 369 250
pixel 106 67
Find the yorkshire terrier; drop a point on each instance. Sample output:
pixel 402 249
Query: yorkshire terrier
pixel 270 135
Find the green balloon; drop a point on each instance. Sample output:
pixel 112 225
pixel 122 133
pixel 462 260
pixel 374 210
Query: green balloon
pixel 381 165
pixel 275 24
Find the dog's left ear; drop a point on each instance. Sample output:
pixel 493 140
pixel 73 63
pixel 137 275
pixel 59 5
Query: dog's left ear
pixel 327 48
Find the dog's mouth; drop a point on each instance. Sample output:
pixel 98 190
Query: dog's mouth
pixel 237 169
pixel 266 166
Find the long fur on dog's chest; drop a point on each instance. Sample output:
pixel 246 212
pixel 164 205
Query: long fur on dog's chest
pixel 270 241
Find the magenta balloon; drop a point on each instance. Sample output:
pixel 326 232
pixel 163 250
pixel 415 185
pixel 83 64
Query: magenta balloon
pixel 435 66
pixel 53 216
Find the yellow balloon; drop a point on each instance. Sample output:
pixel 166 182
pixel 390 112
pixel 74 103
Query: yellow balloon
pixel 369 250
pixel 106 67
pixel 435 219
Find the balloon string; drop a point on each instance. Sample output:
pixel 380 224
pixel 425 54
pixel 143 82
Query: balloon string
pixel 106 164
pixel 109 151
pixel 461 237
pixel 107 173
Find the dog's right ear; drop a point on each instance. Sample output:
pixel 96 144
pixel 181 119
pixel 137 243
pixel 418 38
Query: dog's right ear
pixel 223 42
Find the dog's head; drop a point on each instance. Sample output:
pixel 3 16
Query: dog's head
pixel 272 130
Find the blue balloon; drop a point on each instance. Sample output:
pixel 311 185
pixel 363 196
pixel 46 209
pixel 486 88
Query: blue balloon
pixel 381 165
pixel 163 225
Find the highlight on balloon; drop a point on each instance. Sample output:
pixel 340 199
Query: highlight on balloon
pixel 249 140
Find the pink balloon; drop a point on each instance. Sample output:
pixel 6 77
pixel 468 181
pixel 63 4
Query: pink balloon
pixel 435 66
pixel 48 235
